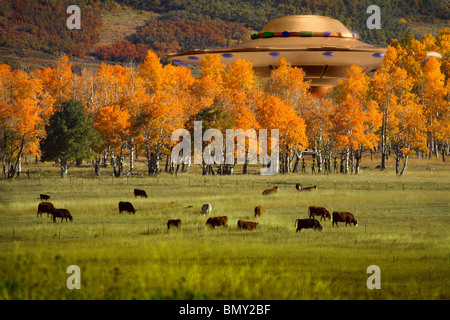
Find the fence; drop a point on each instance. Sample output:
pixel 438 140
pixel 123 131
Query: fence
pixel 336 182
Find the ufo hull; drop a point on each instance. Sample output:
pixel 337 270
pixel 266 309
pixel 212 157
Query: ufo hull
pixel 323 47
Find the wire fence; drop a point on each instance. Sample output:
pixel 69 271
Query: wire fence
pixel 336 182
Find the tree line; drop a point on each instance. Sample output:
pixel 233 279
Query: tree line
pixel 112 113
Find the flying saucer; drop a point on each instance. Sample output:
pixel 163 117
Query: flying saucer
pixel 323 47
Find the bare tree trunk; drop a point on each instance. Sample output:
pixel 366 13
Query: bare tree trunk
pixel 64 168
pixel 405 165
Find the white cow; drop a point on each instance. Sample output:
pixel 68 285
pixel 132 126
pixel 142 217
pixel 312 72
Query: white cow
pixel 206 208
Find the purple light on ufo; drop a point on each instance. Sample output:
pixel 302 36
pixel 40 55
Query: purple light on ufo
pixel 327 33
pixel 193 58
pixel 285 33
pixel 227 55
pixel 274 54
pixel 378 55
pixel 328 54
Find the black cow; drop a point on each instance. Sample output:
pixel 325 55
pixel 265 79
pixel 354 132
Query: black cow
pixel 307 224
pixel 44 197
pixel 140 193
pixel 126 206
pixel 61 213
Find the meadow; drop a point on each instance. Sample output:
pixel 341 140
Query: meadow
pixel 403 229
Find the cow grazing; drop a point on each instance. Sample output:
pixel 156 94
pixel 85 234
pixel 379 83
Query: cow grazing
pixel 126 206
pixel 44 197
pixel 299 187
pixel 140 193
pixel 217 222
pixel 258 211
pixel 61 213
pixel 44 207
pixel 270 191
pixel 206 208
pixel 346 217
pixel 173 223
pixel 246 225
pixel 319 211
pixel 307 224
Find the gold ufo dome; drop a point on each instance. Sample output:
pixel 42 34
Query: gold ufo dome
pixel 323 47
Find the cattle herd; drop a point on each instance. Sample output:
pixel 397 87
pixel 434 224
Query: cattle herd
pixel 47 207
pixel 220 221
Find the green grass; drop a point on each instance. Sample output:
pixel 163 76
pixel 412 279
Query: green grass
pixel 404 229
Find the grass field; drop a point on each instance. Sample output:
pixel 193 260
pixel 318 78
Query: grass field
pixel 403 229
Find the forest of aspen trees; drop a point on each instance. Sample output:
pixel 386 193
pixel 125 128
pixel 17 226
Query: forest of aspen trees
pixel 401 110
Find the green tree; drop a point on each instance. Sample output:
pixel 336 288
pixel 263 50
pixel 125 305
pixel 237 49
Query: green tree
pixel 70 136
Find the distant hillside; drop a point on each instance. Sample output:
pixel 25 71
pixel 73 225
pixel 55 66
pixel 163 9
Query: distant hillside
pixel 123 30
pixel 41 25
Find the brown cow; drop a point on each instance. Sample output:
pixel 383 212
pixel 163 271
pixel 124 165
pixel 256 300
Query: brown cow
pixel 258 211
pixel 346 217
pixel 319 211
pixel 174 223
pixel 45 207
pixel 299 187
pixel 246 225
pixel 270 191
pixel 217 221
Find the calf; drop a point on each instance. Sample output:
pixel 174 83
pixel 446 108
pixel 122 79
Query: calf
pixel 319 211
pixel 270 191
pixel 140 193
pixel 307 224
pixel 44 207
pixel 217 221
pixel 246 225
pixel 44 197
pixel 126 206
pixel 258 211
pixel 173 223
pixel 346 217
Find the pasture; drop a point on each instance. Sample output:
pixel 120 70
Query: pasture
pixel 403 228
